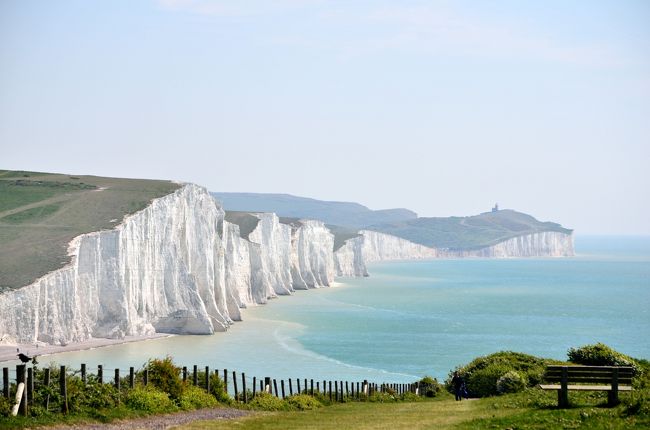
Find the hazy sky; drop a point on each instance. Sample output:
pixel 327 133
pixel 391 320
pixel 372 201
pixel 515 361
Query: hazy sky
pixel 443 107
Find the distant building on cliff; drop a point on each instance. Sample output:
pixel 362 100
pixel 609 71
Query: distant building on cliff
pixel 495 208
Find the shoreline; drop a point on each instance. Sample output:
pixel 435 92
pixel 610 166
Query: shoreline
pixel 8 351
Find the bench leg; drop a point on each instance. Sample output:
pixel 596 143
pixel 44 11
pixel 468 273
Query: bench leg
pixel 563 392
pixel 562 398
pixel 612 398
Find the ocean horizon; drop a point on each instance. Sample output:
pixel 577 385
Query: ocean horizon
pixel 416 318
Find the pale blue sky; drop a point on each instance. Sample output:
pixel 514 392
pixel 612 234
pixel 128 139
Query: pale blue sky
pixel 443 107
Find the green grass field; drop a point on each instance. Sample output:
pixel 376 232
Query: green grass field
pixel 532 409
pixel 40 213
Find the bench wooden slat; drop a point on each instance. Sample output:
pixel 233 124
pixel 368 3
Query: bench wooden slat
pixel 575 368
pixel 591 379
pixel 585 387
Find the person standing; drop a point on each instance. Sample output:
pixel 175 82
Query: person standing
pixel 457 383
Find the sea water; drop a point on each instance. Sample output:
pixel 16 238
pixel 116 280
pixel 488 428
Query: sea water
pixel 416 318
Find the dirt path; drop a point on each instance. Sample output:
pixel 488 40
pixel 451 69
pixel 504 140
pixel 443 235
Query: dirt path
pixel 160 422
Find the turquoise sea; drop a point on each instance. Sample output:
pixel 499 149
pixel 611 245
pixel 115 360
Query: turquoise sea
pixel 410 319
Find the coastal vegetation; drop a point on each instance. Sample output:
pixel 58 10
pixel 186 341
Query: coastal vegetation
pixel 502 390
pixel 40 213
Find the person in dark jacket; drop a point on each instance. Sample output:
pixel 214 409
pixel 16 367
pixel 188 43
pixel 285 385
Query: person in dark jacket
pixel 457 383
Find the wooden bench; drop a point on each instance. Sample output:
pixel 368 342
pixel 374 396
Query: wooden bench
pixel 587 378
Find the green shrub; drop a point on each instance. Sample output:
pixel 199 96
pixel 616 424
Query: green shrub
pixel 302 402
pixel 481 374
pixel 483 382
pixel 164 375
pixel 150 399
pixel 379 397
pixel 267 402
pixel 600 354
pixel 429 386
pixel 410 397
pixel 5 406
pixel 196 398
pixel 81 397
pixel 637 403
pixel 510 382
pixel 218 389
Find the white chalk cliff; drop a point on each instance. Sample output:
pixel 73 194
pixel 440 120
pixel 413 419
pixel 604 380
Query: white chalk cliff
pixel 179 267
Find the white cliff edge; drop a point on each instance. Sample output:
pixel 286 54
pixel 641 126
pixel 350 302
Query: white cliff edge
pixel 178 267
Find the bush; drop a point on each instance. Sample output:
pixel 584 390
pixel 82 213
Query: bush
pixel 600 354
pixel 510 382
pixel 302 402
pixel 410 397
pixel 379 397
pixel 90 396
pixel 429 386
pixel 5 406
pixel 267 402
pixel 482 374
pixel 164 375
pixel 218 389
pixel 150 400
pixel 196 398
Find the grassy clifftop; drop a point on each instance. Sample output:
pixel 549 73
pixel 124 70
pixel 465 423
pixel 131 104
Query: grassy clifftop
pixel 40 213
pixel 472 232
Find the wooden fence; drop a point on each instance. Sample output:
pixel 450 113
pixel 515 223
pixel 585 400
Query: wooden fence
pixel 336 391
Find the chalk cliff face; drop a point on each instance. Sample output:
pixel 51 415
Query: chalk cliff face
pixel 178 267
pixel 160 270
pixel 270 253
pixel 543 244
pixel 379 246
pixel 312 259
pixel 348 259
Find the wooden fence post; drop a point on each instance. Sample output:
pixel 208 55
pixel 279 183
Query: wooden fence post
pixel 207 379
pixel 298 382
pixel 225 380
pixel 275 387
pixel 184 374
pixel 195 375
pixel 46 382
pixel 312 386
pixel 330 383
pixel 117 379
pixel 83 373
pixel 100 374
pixel 243 387
pixel 5 382
pixel 20 379
pixel 282 386
pixel 63 389
pixel 254 385
pixel 145 377
pixel 131 377
pixel 267 384
pixel 290 387
pixel 234 382
pixel 30 386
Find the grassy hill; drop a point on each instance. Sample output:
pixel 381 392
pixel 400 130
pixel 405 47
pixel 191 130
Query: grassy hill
pixel 472 232
pixel 40 213
pixel 336 213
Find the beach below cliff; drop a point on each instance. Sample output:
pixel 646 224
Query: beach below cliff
pixel 8 350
